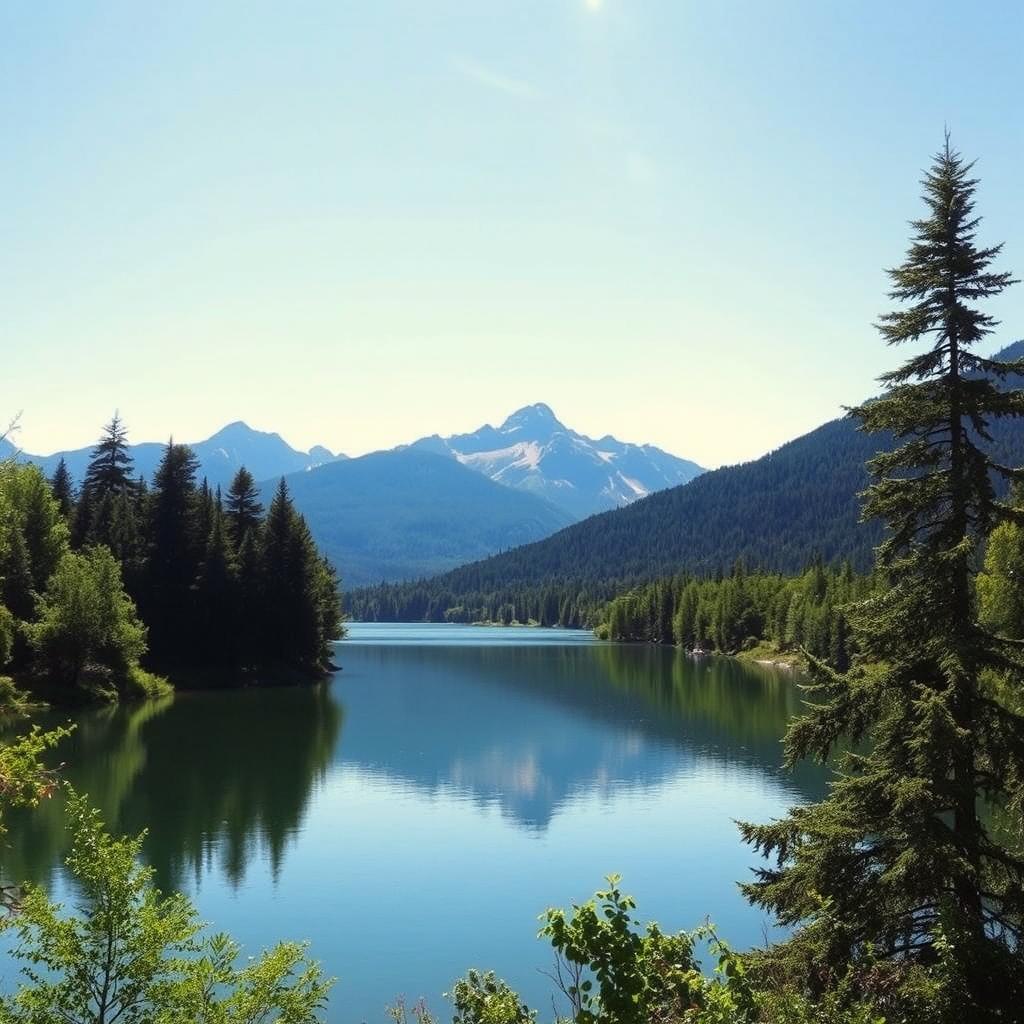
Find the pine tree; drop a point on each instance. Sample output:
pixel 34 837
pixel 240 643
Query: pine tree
pixel 108 474
pixel 174 552
pixel 16 592
pixel 242 507
pixel 280 577
pixel 110 464
pixel 298 592
pixel 900 866
pixel 216 590
pixel 250 600
pixel 123 534
pixel 63 488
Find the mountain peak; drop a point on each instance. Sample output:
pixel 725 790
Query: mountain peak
pixel 237 428
pixel 537 415
pixel 534 451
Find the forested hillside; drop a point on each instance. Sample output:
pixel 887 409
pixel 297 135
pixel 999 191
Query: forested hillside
pixel 741 611
pixel 780 513
pixel 407 513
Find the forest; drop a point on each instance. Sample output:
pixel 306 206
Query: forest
pixel 109 586
pixel 726 614
pixel 788 614
pixel 573 604
pixel 780 513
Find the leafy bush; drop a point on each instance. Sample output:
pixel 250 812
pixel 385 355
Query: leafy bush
pixel 485 999
pixel 87 623
pixel 133 955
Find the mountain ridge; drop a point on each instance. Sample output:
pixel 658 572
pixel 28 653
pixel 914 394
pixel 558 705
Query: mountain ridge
pixel 404 513
pixel 779 512
pixel 534 451
pixel 264 453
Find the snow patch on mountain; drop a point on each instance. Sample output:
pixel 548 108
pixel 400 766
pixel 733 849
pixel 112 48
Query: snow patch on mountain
pixel 533 450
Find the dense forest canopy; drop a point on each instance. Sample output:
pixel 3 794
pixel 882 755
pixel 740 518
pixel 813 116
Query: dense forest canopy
pixel 803 613
pixel 165 573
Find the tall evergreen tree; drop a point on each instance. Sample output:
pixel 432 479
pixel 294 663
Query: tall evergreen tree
pixel 299 595
pixel 110 465
pixel 901 864
pixel 216 590
pixel 242 506
pixel 278 575
pixel 108 475
pixel 249 590
pixel 174 551
pixel 63 488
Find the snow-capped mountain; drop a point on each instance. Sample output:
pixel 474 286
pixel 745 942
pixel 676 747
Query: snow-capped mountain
pixel 533 451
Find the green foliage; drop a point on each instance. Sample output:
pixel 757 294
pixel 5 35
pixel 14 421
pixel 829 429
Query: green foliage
pixel 24 781
pixel 33 536
pixel 242 507
pixel 731 614
pixel 109 504
pixel 224 590
pixel 8 628
pixel 567 603
pixel 144 685
pixel 615 970
pixel 298 589
pixel 640 976
pixel 133 955
pixel 484 999
pixel 111 463
pixel 1001 584
pixel 63 488
pixel 279 987
pixel 903 872
pixel 175 539
pixel 87 625
pixel 248 593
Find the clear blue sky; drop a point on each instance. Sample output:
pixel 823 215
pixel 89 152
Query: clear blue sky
pixel 356 223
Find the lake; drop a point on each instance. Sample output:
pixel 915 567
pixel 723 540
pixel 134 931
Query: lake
pixel 413 817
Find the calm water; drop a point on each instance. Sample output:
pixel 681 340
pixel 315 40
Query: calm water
pixel 412 818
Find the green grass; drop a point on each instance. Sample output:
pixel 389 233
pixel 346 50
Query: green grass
pixel 765 651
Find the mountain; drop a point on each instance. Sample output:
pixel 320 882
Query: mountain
pixel 220 456
pixel 408 513
pixel 265 455
pixel 777 512
pixel 533 451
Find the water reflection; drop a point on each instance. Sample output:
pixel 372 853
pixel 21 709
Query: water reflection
pixel 529 728
pixel 221 778
pixel 214 777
